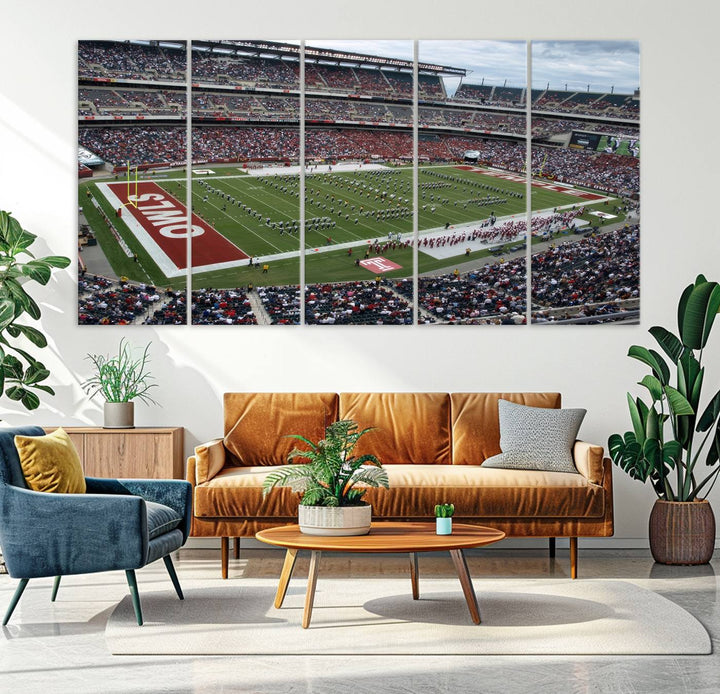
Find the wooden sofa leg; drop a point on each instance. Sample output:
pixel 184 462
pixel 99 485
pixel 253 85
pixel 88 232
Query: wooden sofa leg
pixel 551 547
pixel 224 552
pixel 573 557
pixel 236 553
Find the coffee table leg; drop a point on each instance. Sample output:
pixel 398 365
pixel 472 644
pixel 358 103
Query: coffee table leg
pixel 312 582
pixel 465 581
pixel 414 575
pixel 287 569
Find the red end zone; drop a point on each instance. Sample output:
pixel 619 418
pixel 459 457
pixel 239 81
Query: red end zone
pixel 548 185
pixel 163 218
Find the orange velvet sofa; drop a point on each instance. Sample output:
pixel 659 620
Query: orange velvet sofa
pixel 432 446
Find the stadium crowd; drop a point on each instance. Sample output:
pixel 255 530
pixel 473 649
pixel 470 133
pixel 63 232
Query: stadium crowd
pixel 602 269
pixel 356 303
pixel 102 301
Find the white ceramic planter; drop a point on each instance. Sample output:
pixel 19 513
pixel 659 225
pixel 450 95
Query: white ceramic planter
pixel 335 520
pixel 119 415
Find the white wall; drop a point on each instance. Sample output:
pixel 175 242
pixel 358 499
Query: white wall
pixel 196 365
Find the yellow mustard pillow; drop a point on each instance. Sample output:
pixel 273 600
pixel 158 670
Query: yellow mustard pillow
pixel 51 463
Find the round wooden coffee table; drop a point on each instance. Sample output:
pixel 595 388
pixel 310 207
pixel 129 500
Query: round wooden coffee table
pixel 383 538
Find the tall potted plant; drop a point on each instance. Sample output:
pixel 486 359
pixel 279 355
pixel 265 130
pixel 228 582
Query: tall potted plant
pixel 121 379
pixel 674 442
pixel 331 502
pixel 21 374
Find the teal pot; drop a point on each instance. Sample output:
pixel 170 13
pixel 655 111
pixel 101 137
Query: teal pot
pixel 443 526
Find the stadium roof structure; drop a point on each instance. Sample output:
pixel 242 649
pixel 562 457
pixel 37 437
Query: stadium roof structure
pixel 276 49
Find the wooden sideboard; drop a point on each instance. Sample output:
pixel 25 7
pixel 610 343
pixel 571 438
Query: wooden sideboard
pixel 143 452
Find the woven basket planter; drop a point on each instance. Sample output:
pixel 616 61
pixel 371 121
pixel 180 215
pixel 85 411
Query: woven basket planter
pixel 335 520
pixel 682 532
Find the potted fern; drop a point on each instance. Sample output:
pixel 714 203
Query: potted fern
pixel 121 379
pixel 332 502
pixel 675 443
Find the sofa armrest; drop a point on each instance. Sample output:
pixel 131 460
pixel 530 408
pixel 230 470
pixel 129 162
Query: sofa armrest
pixel 177 494
pixel 209 460
pixel 61 534
pixel 588 460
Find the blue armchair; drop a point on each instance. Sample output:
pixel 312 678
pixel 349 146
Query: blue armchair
pixel 117 524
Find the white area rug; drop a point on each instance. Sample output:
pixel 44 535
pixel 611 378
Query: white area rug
pixel 377 616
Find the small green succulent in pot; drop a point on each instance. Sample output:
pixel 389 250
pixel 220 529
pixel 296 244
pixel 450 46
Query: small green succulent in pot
pixel 444 510
pixel 333 474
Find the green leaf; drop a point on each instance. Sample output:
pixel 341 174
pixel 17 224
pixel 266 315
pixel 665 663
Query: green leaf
pixel 32 334
pixel 7 312
pixel 22 298
pixel 653 360
pixel 711 413
pixel 652 425
pixel 30 400
pixel 682 306
pixel 699 312
pixel 678 403
pixel 37 271
pixel 58 261
pixel 638 421
pixel 652 452
pixel 15 392
pixel 653 385
pixel 670 344
pixel 12 367
pixel 36 372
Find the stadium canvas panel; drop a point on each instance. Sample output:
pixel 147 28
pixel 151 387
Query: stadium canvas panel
pixel 358 182
pixel 413 171
pixel 586 151
pixel 471 192
pixel 245 181
pixel 132 242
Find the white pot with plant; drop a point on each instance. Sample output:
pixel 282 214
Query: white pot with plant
pixel 121 379
pixel 331 502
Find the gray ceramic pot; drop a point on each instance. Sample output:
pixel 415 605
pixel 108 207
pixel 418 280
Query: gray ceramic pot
pixel 119 415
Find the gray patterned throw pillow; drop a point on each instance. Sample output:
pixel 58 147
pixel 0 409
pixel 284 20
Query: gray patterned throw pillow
pixel 536 438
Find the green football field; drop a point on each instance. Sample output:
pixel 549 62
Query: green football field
pixel 260 214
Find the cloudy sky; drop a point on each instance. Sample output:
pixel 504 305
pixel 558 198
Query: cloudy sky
pixel 601 64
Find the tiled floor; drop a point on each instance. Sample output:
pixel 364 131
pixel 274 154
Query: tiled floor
pixel 58 648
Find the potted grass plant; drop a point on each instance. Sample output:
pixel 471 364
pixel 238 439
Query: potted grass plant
pixel 675 442
pixel 121 379
pixel 333 482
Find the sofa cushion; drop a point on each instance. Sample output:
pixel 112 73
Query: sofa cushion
pixel 536 438
pixel 257 424
pixel 477 492
pixel 161 519
pixel 410 427
pixel 476 422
